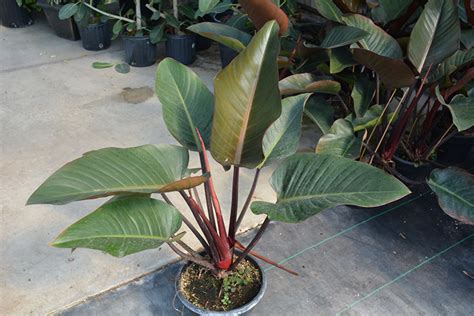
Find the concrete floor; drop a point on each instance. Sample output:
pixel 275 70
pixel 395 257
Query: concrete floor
pixel 54 107
pixel 407 258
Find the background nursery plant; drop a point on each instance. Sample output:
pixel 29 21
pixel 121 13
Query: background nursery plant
pixel 245 124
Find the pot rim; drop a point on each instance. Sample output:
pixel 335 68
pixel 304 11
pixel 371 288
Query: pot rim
pixel 181 36
pixel 135 38
pixel 237 311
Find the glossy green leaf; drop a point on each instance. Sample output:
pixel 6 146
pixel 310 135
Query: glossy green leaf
pixel 388 10
pixel 117 28
pixel 455 191
pixel 340 141
pixel 362 94
pixel 247 101
pixel 101 65
pixel 122 68
pixel 123 226
pixel 451 64
pixel 377 41
pixel 306 82
pixel 157 33
pixel 224 34
pixel 339 59
pixel 342 36
pixel 187 103
pixel 319 111
pixel 68 10
pixel 282 137
pixel 394 73
pixel 307 184
pixel 435 36
pixel 328 9
pixel 115 171
pixel 461 108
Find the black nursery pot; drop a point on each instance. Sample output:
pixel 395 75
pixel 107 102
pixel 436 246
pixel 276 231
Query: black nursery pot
pixel 63 28
pixel 96 36
pixel 139 51
pixel 411 170
pixel 455 150
pixel 227 55
pixel 181 47
pixel 202 43
pixel 13 16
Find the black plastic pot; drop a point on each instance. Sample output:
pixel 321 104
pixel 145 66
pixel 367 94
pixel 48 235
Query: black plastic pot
pixel 139 51
pixel 455 150
pixel 415 172
pixel 202 43
pixel 181 47
pixel 63 28
pixel 13 16
pixel 96 36
pixel 227 55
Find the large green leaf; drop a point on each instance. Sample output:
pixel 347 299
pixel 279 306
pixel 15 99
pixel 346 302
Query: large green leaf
pixel 340 141
pixel 114 171
pixel 282 137
pixel 435 36
pixel 462 110
pixel 377 41
pixel 123 226
pixel 343 35
pixel 388 10
pixel 362 94
pixel 306 184
pixel 68 10
pixel 394 73
pixel 187 103
pixel 247 101
pixel 451 64
pixel 455 191
pixel 309 83
pixel 320 112
pixel 206 5
pixel 328 9
pixel 224 34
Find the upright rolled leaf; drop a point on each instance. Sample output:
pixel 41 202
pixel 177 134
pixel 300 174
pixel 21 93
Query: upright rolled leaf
pixel 377 40
pixel 247 101
pixel 263 11
pixel 340 141
pixel 226 35
pixel 115 171
pixel 306 184
pixel 394 73
pixel 362 95
pixel 455 191
pixel 187 103
pixel 282 137
pixel 123 226
pixel 319 111
pixel 435 36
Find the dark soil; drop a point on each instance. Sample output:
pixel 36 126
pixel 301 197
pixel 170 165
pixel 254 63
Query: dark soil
pixel 202 288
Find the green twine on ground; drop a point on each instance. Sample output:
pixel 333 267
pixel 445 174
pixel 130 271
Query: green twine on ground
pixel 401 276
pixel 345 231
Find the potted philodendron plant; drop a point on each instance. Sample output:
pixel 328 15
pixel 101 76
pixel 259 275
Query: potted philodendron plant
pixel 63 28
pixel 16 13
pixel 95 31
pixel 245 124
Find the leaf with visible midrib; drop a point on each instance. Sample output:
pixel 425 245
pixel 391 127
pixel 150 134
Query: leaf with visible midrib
pixel 455 191
pixel 123 226
pixel 307 184
pixel 247 101
pixel 115 171
pixel 343 35
pixel 227 35
pixel 187 103
pixel 435 36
